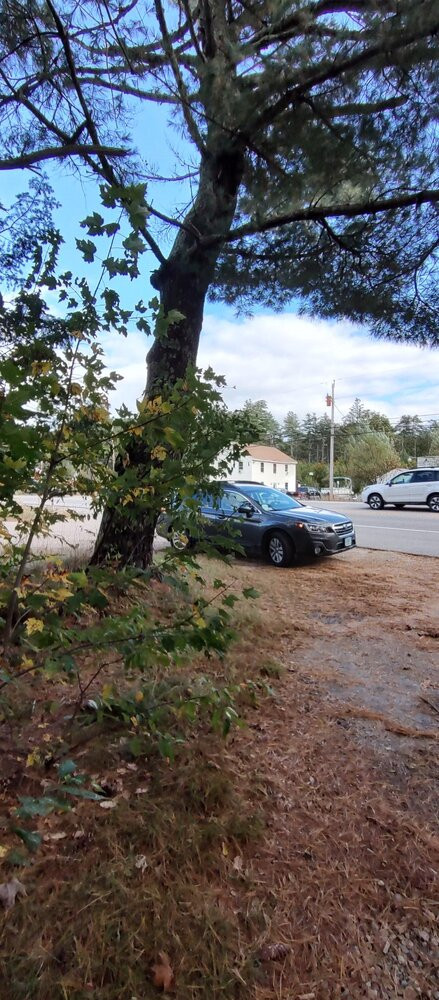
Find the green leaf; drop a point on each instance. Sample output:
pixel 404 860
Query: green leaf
pixel 82 793
pixel 66 767
pixel 31 838
pixel 87 248
pixel 39 807
pixel 250 592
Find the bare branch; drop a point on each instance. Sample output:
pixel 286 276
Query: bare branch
pixel 26 160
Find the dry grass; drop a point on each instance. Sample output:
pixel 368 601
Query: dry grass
pixel 292 861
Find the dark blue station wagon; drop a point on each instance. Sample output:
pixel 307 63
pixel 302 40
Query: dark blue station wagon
pixel 266 522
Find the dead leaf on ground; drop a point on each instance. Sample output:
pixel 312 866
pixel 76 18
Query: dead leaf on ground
pixel 108 804
pixel 271 952
pixel 9 891
pixel 162 972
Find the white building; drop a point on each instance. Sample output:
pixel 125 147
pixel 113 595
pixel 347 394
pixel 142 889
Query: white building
pixel 264 464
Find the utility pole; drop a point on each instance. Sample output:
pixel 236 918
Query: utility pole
pixel 331 402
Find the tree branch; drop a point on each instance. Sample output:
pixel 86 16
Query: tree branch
pixel 26 160
pixel 326 72
pixel 317 214
pixel 184 97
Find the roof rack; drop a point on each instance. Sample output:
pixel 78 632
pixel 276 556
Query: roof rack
pixel 248 482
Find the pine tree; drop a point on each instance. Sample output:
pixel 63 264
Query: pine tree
pixel 308 131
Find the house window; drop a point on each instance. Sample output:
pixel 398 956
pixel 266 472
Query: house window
pixel 241 466
pixel 286 487
pixel 262 466
pixel 274 467
pixel 286 469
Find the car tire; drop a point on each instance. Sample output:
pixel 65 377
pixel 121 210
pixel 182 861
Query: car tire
pixel 280 549
pixel 375 501
pixel 399 506
pixel 179 540
pixel 433 502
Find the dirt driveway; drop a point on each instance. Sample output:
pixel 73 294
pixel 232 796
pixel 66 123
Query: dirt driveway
pixel 348 753
pixel 366 626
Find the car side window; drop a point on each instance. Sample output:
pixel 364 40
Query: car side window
pixel 231 501
pixel 404 477
pixel 424 476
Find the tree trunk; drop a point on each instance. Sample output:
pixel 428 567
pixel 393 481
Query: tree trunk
pixel 182 281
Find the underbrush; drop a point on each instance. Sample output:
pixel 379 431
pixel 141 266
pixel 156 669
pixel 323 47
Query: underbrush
pixel 153 864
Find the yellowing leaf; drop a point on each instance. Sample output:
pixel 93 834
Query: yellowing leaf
pixel 41 367
pixel 199 621
pixel 61 594
pixel 139 696
pixel 137 431
pixel 107 691
pixel 159 452
pixel 3 850
pixel 75 389
pixel 225 849
pixel 34 625
pixel 33 758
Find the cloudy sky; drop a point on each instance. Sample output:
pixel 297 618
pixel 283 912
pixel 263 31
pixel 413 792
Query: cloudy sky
pixel 290 361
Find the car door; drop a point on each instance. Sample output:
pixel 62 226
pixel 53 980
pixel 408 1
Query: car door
pixel 399 489
pixel 220 517
pixel 242 528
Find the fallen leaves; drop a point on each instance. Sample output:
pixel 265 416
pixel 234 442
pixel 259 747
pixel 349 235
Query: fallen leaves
pixel 272 952
pixel 162 972
pixel 9 891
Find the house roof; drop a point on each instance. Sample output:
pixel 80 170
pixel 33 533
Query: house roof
pixel 265 453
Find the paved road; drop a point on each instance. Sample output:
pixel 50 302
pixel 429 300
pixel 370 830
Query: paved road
pixel 414 529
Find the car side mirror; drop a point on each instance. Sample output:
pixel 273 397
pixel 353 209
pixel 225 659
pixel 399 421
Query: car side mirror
pixel 246 508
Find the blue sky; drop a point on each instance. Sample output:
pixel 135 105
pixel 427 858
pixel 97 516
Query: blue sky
pixel 287 359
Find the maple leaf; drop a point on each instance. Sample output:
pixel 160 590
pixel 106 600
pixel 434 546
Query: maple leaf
pixel 162 972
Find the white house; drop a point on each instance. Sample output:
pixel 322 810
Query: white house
pixel 263 464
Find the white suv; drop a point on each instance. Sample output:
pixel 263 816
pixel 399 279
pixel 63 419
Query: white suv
pixel 417 486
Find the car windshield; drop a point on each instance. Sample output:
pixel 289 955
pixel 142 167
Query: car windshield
pixel 271 499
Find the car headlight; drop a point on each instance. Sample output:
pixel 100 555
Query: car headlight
pixel 315 527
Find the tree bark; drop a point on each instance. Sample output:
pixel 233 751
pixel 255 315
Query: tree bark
pixel 182 281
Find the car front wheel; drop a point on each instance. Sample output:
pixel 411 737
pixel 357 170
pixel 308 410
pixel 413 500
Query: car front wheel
pixel 433 502
pixel 280 550
pixel 375 501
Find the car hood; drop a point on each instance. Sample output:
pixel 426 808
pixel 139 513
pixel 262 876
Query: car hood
pixel 310 514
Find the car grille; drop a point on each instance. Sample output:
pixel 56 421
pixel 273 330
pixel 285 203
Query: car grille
pixel 343 527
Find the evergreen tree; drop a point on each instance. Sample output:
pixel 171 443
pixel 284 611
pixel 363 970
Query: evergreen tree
pixel 291 433
pixel 260 416
pixel 308 138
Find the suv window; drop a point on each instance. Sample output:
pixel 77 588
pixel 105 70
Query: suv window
pixel 425 476
pixel 231 501
pixel 404 477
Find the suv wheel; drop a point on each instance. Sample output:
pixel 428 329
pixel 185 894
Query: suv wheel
pixel 375 501
pixel 433 502
pixel 280 549
pixel 180 540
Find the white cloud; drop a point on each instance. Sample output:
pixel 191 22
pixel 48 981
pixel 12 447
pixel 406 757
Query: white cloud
pixel 290 361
